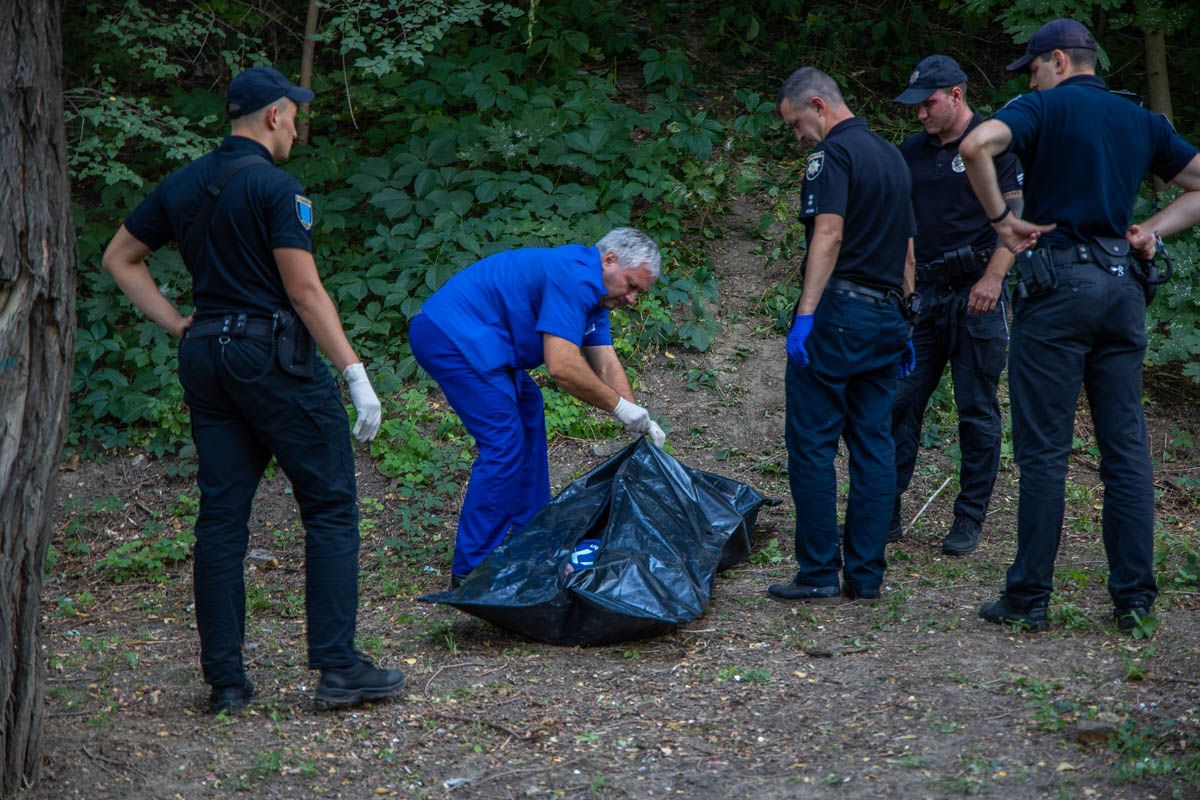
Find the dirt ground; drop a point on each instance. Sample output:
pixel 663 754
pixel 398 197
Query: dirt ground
pixel 914 697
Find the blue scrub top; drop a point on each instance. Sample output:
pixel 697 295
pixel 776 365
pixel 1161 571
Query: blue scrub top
pixel 1085 152
pixel 261 208
pixel 948 213
pixel 861 178
pixel 497 309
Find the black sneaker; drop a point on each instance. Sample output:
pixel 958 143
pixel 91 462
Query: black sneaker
pixel 349 686
pixel 1132 616
pixel 456 580
pixel 1002 611
pixel 803 593
pixel 230 700
pixel 963 537
pixel 896 529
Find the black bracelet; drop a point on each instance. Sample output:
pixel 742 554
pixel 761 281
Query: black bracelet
pixel 1007 210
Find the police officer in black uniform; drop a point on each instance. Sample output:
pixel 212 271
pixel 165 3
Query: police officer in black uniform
pixel 847 342
pixel 1079 317
pixel 254 387
pixel 959 277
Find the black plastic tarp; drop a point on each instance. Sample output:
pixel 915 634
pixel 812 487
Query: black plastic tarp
pixel 665 531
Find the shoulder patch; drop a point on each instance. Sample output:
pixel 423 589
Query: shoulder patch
pixel 815 162
pixel 304 211
pixel 957 164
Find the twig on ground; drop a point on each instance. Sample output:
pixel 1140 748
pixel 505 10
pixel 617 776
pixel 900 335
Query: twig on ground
pixel 438 671
pixel 932 497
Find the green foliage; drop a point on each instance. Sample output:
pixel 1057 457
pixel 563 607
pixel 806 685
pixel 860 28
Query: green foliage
pixel 166 539
pixel 421 444
pixel 569 418
pixel 1173 320
pixel 385 36
pixel 468 128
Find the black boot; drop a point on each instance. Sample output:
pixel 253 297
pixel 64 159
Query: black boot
pixel 1002 611
pixel 230 699
pixel 896 529
pixel 351 685
pixel 963 537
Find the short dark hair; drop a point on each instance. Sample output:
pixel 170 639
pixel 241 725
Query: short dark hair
pixel 1078 56
pixel 948 89
pixel 808 81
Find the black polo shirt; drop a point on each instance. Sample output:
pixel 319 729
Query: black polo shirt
pixel 948 213
pixel 261 208
pixel 1085 152
pixel 861 178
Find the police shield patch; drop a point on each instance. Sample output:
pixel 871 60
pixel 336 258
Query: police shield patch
pixel 815 162
pixel 957 164
pixel 304 211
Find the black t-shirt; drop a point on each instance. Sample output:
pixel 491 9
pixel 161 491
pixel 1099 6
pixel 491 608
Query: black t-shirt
pixel 861 178
pixel 261 208
pixel 1085 152
pixel 948 213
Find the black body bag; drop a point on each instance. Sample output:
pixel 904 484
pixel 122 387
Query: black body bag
pixel 664 531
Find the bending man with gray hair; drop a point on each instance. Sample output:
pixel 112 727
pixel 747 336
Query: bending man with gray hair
pixel 511 312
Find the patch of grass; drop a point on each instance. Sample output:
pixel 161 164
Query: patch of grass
pixel 744 674
pixel 770 553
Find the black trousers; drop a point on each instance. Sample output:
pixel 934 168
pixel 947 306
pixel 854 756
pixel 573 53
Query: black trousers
pixel 237 426
pixel 975 345
pixel 1089 332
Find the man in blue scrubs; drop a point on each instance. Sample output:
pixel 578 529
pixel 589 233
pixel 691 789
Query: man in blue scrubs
pixel 963 318
pixel 254 387
pixel 846 343
pixel 511 312
pixel 1080 315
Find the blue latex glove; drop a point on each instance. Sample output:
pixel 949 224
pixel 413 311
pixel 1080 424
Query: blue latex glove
pixel 908 360
pixel 801 327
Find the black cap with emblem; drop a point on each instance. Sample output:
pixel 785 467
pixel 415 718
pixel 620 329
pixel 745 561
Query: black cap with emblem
pixel 933 73
pixel 1057 34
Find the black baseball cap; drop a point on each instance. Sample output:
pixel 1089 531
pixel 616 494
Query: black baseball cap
pixel 1058 34
pixel 257 88
pixel 933 73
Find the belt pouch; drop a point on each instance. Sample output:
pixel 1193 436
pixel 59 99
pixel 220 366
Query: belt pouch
pixel 297 355
pixel 1111 252
pixel 1035 271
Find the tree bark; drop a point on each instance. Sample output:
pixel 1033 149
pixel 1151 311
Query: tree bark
pixel 1157 84
pixel 306 66
pixel 37 342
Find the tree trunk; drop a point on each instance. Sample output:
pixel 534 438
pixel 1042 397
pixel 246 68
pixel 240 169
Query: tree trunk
pixel 37 342
pixel 306 66
pixel 1157 84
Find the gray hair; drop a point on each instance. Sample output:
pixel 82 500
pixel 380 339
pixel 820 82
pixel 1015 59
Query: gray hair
pixel 807 82
pixel 633 248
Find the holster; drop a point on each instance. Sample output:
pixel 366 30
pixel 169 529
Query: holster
pixel 1035 273
pixel 294 345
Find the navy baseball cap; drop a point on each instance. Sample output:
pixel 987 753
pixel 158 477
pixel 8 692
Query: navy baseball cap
pixel 257 88
pixel 933 73
pixel 1058 34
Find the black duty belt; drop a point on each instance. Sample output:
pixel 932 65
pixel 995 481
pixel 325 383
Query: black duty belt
pixel 1082 254
pixel 955 268
pixel 882 297
pixel 233 325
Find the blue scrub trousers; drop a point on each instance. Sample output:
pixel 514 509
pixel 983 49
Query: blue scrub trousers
pixel 502 409
pixel 1089 332
pixel 846 391
pixel 237 426
pixel 975 346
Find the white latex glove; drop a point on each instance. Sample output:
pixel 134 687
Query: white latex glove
pixel 635 418
pixel 656 434
pixel 366 404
